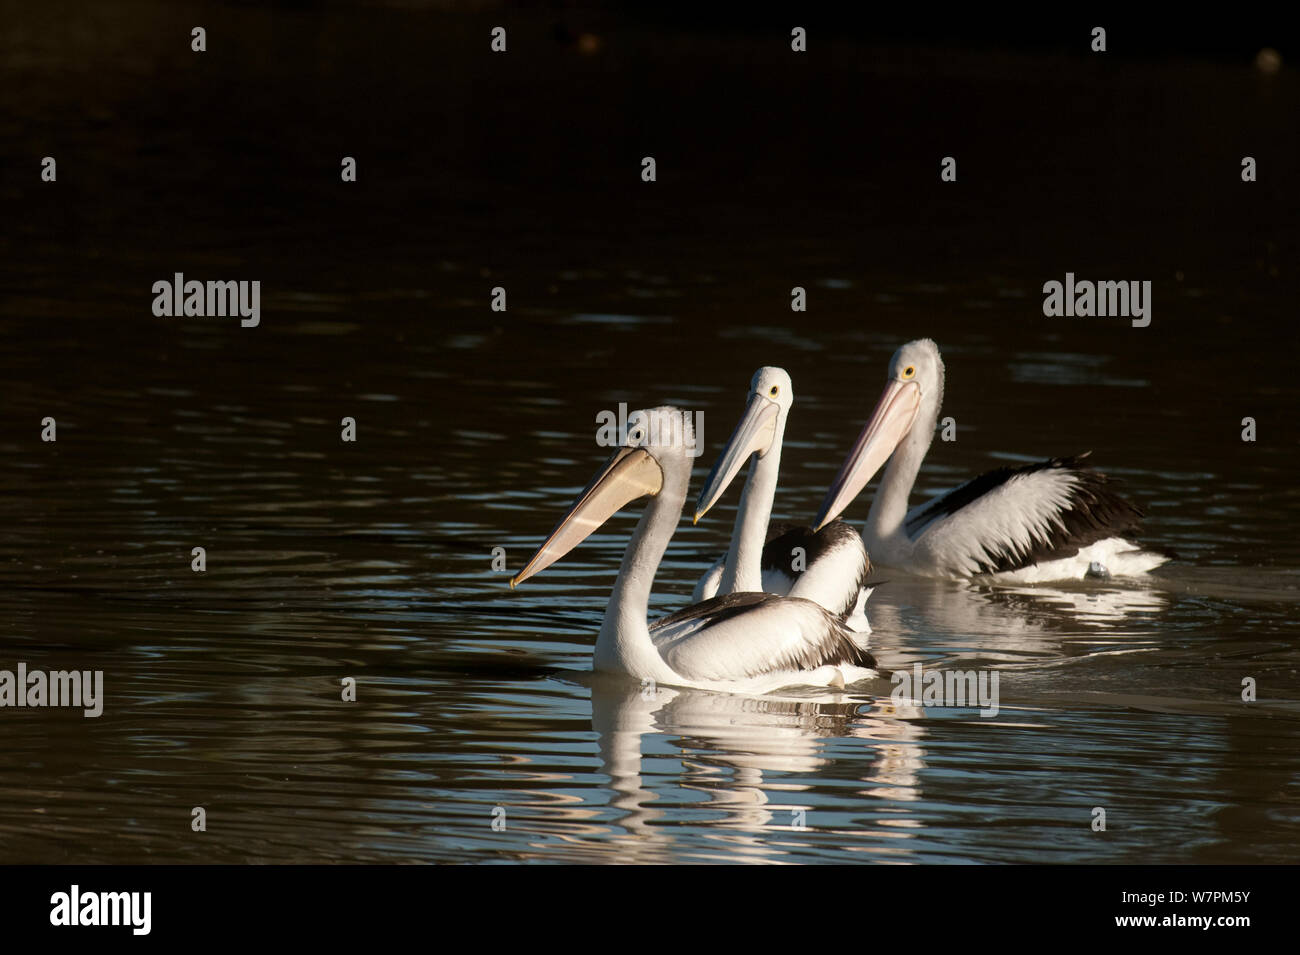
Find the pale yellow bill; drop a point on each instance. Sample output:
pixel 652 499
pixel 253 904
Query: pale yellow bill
pixel 631 473
pixel 754 433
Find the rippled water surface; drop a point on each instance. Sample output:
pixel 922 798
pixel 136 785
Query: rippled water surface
pixel 373 560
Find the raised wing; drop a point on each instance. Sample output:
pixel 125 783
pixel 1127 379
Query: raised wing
pixel 1013 517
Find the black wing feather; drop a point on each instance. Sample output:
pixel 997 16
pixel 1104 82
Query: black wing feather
pixel 839 648
pixel 1095 512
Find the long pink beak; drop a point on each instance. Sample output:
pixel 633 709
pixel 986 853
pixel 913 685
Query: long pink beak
pixel 889 424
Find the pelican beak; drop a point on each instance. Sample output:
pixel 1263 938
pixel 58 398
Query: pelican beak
pixel 754 434
pixel 631 473
pixel 889 424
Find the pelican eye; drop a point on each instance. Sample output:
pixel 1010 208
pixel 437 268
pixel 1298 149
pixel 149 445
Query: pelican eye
pixel 909 372
pixel 774 390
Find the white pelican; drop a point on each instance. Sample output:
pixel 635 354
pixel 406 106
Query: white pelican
pixel 830 565
pixel 744 642
pixel 1054 520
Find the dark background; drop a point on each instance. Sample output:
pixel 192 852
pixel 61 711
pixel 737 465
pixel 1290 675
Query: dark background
pixel 229 160
pixel 523 170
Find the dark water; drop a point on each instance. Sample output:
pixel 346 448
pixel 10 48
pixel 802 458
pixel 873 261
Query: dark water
pixel 372 559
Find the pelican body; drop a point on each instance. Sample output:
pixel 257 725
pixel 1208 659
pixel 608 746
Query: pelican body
pixel 740 642
pixel 828 566
pixel 1053 520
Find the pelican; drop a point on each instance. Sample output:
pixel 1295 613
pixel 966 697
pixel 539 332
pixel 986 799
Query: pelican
pixel 830 566
pixel 1053 520
pixel 741 642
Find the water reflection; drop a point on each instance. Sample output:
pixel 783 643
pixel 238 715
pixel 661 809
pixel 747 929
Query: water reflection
pixel 999 624
pixel 753 762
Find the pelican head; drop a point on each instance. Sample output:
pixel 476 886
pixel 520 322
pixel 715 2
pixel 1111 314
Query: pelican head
pixel 915 380
pixel 655 453
pixel 768 402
